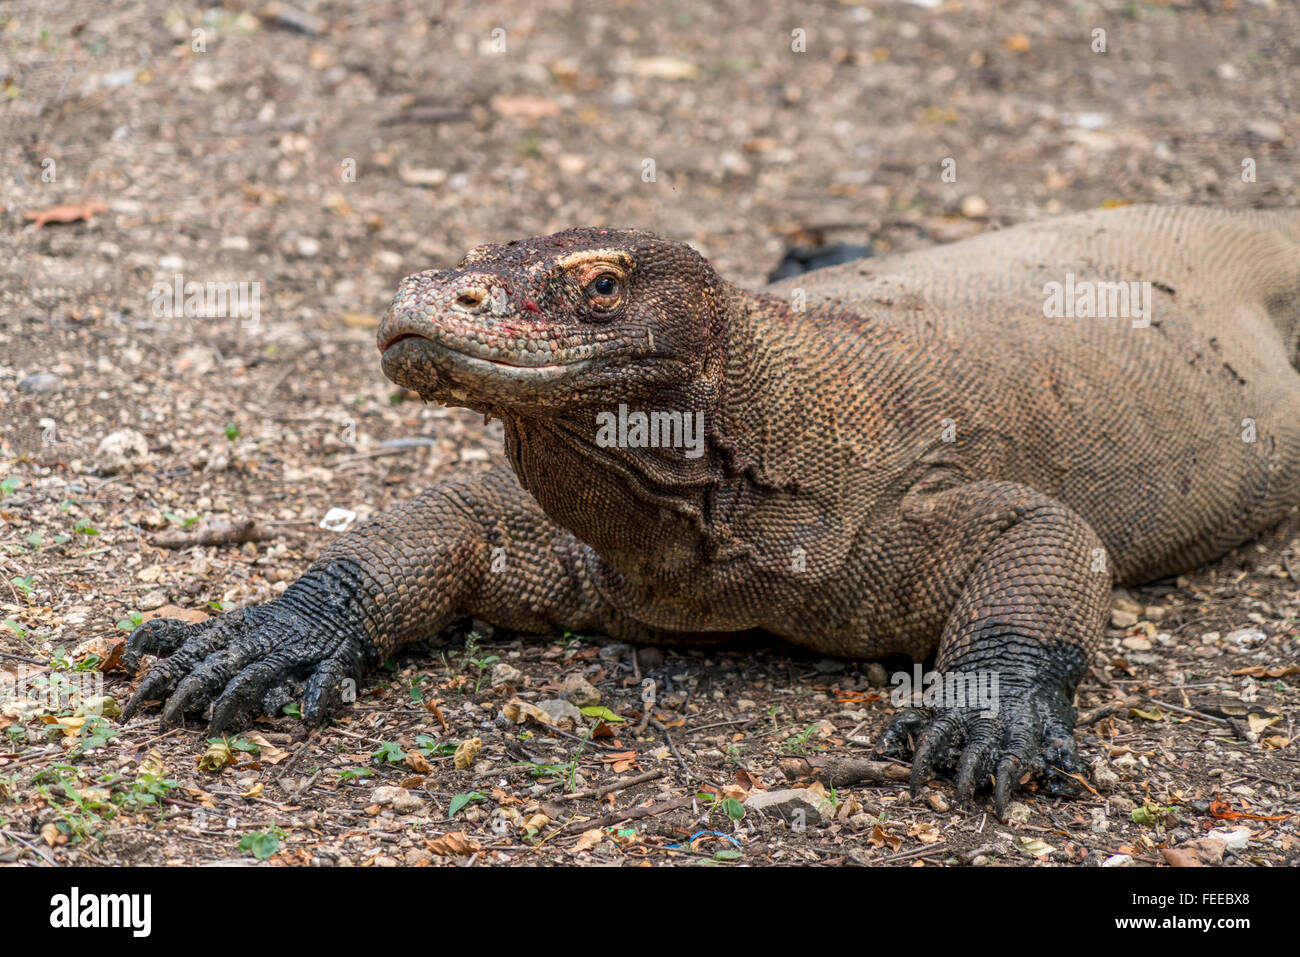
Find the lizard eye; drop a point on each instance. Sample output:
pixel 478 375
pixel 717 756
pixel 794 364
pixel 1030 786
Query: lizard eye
pixel 604 286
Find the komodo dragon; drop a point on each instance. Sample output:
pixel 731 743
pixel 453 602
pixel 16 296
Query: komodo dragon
pixel 899 456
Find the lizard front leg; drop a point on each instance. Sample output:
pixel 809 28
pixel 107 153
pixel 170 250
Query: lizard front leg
pixel 1030 610
pixel 480 547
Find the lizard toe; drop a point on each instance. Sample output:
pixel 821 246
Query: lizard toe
pixel 331 685
pixel 898 739
pixel 159 637
pixel 166 674
pixel 937 748
pixel 247 690
pixel 983 738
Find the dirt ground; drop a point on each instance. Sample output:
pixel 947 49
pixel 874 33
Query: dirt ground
pixel 325 150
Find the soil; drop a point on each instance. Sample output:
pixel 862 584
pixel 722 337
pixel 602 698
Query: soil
pixel 325 150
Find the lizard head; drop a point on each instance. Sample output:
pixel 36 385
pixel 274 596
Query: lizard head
pixel 581 319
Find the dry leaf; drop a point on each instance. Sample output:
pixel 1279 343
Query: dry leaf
pixel 453 842
pixel 1034 847
pixel 1258 722
pixel 882 838
pixel 417 762
pixel 524 107
pixel 587 840
pixel 665 68
pixel 1177 857
pixel 467 752
pixel 925 832
pixel 270 753
pixel 1263 671
pixel 519 711
pixel 69 213
pixel 190 616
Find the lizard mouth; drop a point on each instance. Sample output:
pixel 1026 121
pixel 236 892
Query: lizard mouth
pixel 435 369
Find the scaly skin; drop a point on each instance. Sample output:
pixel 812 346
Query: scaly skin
pixel 899 456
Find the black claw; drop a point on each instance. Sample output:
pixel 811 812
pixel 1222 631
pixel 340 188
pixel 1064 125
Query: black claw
pixel 898 739
pixel 1031 734
pixel 1007 778
pixel 327 689
pixel 160 637
pixel 245 662
pixel 976 765
pixel 939 742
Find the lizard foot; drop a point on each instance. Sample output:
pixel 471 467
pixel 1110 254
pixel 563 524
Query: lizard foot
pixel 247 662
pixel 1029 733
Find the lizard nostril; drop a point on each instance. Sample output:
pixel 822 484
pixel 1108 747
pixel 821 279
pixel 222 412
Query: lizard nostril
pixel 470 298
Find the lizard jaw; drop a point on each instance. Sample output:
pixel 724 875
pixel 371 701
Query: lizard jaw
pixel 434 369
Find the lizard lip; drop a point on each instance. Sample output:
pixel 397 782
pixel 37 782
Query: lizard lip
pixel 409 357
pixel 486 360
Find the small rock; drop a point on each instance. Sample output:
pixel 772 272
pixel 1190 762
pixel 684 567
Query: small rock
pixel 649 658
pixel 580 692
pixel 1246 637
pixel 877 676
pixel 1154 612
pixel 799 807
pixel 1266 130
pixel 1226 71
pixel 1105 779
pixel 1136 643
pixel 1017 813
pixel 1120 618
pixel 505 674
pixel 561 711
pixel 292 19
pixel 1120 806
pixel 152 600
pixel 307 247
pixel 974 207
pixel 40 383
pixel 1209 850
pixel 1118 860
pixel 1233 839
pixel 121 451
pixel 614 651
pixel 422 177
pixel 399 799
pixel 171 263
pixel 712 757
